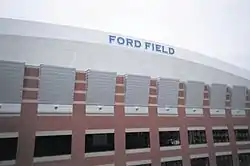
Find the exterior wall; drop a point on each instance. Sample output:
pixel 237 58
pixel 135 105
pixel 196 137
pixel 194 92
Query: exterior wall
pixel 29 122
pixel 84 48
pixel 51 31
pixel 83 56
pixel 71 49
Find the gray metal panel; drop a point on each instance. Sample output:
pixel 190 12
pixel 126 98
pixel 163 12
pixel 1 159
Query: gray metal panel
pixel 194 94
pixel 101 88
pixel 218 96
pixel 11 81
pixel 248 95
pixel 56 85
pixel 238 97
pixel 168 92
pixel 137 90
pixel 26 48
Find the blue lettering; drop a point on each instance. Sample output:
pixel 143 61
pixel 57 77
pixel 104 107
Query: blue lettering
pixel 137 43
pixel 129 42
pixel 171 50
pixel 111 38
pixel 163 50
pixel 147 45
pixel 158 47
pixel 153 46
pixel 120 40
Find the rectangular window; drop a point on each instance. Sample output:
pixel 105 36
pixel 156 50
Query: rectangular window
pixel 52 145
pixel 172 163
pixel 99 142
pixel 197 137
pixel 137 140
pixel 242 134
pixel 8 148
pixel 244 159
pixel 226 160
pixel 169 138
pixel 220 136
pixel 200 161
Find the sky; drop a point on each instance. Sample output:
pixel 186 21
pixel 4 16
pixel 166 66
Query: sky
pixel 216 28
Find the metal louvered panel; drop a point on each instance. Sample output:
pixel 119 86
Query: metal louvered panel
pixel 137 90
pixel 168 90
pixel 238 97
pixel 11 81
pixel 56 85
pixel 194 94
pixel 218 96
pixel 101 88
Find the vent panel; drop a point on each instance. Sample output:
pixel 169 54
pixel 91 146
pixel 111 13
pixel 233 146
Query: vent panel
pixel 218 96
pixel 56 85
pixel 101 88
pixel 168 91
pixel 11 82
pixel 194 94
pixel 136 90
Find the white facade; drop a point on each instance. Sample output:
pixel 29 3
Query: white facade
pixel 39 43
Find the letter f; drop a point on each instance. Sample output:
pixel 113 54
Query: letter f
pixel 111 38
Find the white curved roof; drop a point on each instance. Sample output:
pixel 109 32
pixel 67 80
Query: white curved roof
pixel 40 43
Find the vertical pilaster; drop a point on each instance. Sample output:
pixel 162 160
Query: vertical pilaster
pixel 229 121
pixel 120 142
pixel 78 121
pixel 27 125
pixel 208 125
pixel 153 116
pixel 183 126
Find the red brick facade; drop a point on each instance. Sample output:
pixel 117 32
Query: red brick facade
pixel 28 123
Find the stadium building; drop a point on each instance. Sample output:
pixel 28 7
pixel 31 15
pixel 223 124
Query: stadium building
pixel 79 97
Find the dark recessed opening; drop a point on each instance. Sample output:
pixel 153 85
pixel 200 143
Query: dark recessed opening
pixel 181 85
pixel 200 162
pixel 226 160
pixel 220 136
pixel 99 142
pixel 228 97
pixel 244 159
pixel 172 163
pixel 242 135
pixel 197 137
pixel 137 140
pixel 8 148
pixel 52 145
pixel 169 138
